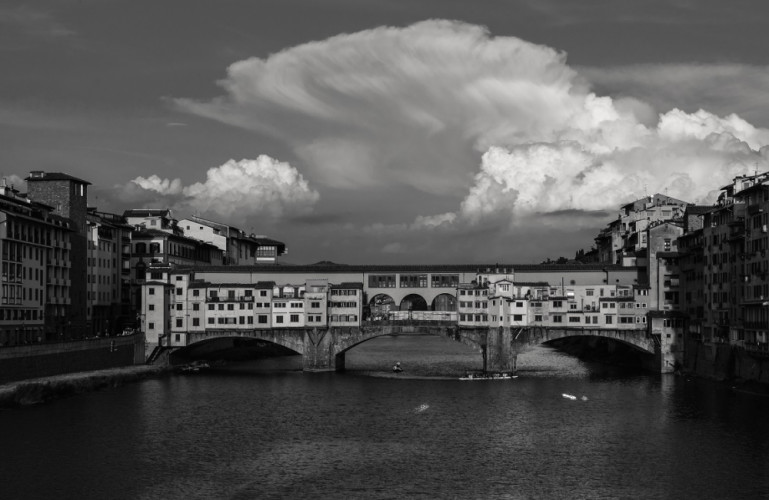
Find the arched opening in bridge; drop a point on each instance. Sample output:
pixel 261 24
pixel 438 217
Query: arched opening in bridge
pixel 419 354
pixel 584 354
pixel 445 302
pixel 238 351
pixel 380 307
pixel 413 302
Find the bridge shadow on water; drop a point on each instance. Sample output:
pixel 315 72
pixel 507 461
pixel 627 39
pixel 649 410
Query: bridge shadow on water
pixel 419 355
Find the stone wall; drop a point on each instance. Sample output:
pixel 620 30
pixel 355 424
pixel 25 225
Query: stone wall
pixel 43 360
pixel 722 361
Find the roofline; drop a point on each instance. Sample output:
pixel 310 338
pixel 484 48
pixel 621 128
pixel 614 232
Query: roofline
pixel 408 268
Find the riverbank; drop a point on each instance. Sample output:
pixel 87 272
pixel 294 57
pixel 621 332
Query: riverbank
pixel 41 390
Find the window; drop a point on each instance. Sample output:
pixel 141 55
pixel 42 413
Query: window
pixel 413 281
pixel 178 307
pixel 294 318
pixel 179 291
pixel 557 318
pixel 517 317
pixel 278 319
pixel 262 293
pixel 557 303
pixel 151 290
pixel 381 281
pixel 195 321
pixel 179 322
pixel 609 320
pixel 196 307
pixel 151 307
pixel 211 307
pixel 315 305
pixel 151 326
pixel 444 280
pixel 537 317
pixel 196 293
pixel 574 319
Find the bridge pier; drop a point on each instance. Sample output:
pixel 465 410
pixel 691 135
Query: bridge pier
pixel 498 352
pixel 320 348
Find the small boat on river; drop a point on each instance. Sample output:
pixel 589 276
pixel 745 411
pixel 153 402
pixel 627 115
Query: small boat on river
pixel 489 376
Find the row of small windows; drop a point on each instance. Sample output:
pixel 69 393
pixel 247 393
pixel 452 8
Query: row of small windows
pixel 481 304
pixel 413 281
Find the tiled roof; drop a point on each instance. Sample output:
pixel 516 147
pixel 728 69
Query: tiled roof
pixel 53 176
pixel 146 212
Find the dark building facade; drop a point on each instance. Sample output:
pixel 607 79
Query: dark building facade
pixel 68 196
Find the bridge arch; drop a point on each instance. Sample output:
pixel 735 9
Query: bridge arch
pixel 380 306
pixel 228 347
pixel 284 337
pixel 470 338
pixel 413 302
pixel 444 302
pixel 637 339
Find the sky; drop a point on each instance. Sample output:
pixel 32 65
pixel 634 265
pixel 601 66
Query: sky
pixel 388 132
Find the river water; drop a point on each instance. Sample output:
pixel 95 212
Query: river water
pixel 369 434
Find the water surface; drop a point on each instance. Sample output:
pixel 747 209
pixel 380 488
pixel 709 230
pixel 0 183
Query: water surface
pixel 242 435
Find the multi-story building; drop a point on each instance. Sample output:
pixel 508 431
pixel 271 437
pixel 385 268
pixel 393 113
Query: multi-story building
pixel 288 306
pixel 68 198
pixel 753 193
pixel 34 305
pixel 473 304
pixel 345 304
pixel 622 240
pixel 160 219
pixel 239 248
pixel 109 308
pixel 316 294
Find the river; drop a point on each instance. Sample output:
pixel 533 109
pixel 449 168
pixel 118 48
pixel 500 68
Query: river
pixel 366 433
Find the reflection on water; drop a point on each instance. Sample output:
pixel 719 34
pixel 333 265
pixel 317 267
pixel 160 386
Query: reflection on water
pixel 243 435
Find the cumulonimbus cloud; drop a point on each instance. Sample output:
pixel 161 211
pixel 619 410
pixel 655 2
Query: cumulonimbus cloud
pixel 263 186
pixel 426 104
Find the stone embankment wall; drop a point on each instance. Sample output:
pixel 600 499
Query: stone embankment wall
pixel 44 360
pixel 42 390
pixel 721 361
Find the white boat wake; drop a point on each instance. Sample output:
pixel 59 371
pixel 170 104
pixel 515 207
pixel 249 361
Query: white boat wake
pixel 421 408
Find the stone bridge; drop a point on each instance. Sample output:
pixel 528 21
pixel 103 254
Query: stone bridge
pixel 323 349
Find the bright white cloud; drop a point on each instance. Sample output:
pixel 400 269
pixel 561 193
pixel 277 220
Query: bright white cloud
pixel 158 185
pixel 263 186
pixel 419 105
